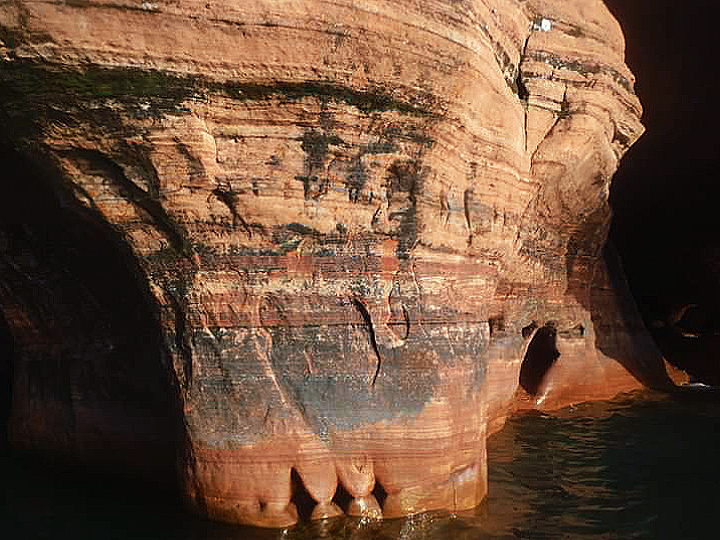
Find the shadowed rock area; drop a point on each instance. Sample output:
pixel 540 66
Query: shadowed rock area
pixel 665 195
pixel 312 251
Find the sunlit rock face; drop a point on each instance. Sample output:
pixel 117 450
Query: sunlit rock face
pixel 351 222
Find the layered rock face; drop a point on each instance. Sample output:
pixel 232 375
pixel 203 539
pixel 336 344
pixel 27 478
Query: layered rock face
pixel 362 232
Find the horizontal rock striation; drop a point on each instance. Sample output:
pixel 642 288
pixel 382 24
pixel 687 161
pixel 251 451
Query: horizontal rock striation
pixel 359 234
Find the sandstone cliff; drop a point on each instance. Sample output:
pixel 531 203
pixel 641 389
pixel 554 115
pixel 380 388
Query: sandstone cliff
pixel 341 226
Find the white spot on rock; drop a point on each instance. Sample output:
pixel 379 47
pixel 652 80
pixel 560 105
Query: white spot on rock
pixel 542 23
pixel 150 6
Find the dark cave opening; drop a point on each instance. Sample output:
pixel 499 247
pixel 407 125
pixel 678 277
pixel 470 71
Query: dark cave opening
pixel 664 194
pixel 300 496
pixel 540 355
pixel 93 395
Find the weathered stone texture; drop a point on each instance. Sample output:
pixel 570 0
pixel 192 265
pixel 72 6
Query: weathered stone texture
pixel 351 218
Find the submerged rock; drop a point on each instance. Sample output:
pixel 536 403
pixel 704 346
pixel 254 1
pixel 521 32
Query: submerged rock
pixel 355 238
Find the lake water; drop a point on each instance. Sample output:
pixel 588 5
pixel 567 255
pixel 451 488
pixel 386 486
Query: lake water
pixel 639 466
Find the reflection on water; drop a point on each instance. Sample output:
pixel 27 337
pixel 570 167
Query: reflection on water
pixel 640 466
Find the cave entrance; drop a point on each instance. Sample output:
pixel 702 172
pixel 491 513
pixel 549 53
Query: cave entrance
pixel 92 386
pixel 540 355
pixel 664 195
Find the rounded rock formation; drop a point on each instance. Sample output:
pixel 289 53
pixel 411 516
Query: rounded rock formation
pixel 342 225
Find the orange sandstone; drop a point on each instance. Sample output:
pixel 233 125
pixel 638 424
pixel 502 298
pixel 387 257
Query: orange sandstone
pixel 355 221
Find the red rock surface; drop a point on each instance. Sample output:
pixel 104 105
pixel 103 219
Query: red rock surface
pixel 352 222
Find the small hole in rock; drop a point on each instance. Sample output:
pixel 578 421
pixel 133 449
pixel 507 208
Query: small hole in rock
pixel 528 330
pixel 342 497
pixel 497 325
pixel 541 353
pixel 380 493
pixel 301 498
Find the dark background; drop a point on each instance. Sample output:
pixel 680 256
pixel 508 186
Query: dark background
pixel 665 193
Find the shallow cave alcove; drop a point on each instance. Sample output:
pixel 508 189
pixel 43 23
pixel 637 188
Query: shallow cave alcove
pixel 665 192
pixel 85 377
pixel 540 355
